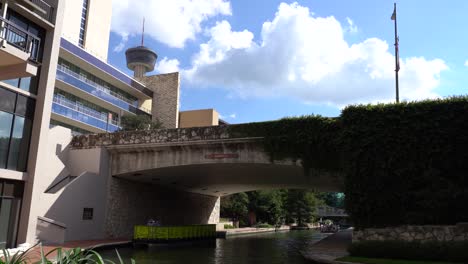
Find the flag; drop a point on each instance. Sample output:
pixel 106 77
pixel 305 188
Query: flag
pixel 394 13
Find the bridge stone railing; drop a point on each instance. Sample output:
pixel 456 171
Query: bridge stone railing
pixel 151 136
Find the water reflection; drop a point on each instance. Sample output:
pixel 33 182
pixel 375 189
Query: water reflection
pixel 272 248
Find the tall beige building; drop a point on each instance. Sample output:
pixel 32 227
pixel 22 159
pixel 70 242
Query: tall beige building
pixel 29 46
pixel 55 82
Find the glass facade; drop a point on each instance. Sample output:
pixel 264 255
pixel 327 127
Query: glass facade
pixel 16 115
pixel 76 131
pixel 80 53
pixel 75 108
pixel 73 75
pixel 11 193
pixel 28 84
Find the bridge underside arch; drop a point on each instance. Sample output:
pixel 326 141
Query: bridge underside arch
pixel 220 179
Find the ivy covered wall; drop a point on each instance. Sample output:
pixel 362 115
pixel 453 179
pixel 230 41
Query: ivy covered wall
pixel 404 163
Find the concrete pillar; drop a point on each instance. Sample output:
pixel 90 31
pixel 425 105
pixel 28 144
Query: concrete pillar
pixel 133 203
pixel 39 136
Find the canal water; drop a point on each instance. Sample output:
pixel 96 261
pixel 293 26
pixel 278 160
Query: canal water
pixel 269 248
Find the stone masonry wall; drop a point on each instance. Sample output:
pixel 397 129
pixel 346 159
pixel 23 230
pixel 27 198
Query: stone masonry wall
pixel 133 203
pixel 151 136
pixel 165 106
pixel 427 233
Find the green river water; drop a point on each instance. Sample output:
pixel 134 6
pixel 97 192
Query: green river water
pixel 269 248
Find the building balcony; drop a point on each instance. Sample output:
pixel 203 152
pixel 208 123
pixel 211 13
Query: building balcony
pixel 41 8
pixel 71 110
pixel 96 90
pixel 103 70
pixel 19 51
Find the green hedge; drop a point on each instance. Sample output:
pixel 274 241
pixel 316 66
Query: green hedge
pixel 313 139
pixel 430 251
pixel 404 163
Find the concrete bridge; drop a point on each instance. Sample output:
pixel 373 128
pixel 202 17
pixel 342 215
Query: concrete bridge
pixel 204 160
pixel 100 186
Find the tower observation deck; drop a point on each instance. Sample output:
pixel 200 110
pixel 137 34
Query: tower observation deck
pixel 141 59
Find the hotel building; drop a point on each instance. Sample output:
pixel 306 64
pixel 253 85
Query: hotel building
pixel 54 75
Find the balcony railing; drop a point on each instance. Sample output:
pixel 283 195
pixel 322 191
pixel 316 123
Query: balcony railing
pixel 48 9
pixel 81 82
pixel 70 109
pixel 20 38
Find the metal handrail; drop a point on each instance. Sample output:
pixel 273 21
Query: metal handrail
pixel 82 109
pixel 94 84
pixel 99 87
pixel 20 38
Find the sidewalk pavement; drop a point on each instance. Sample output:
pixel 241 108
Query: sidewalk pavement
pixel 330 248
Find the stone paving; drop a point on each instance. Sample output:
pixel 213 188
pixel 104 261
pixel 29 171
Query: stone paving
pixel 330 248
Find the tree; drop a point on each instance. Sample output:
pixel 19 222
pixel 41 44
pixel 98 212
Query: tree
pixel 235 206
pixel 332 199
pixel 267 205
pixel 300 206
pixel 138 122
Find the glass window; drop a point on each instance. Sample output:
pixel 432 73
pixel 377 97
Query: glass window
pixel 22 130
pixel 19 144
pixel 25 84
pixel 5 130
pixel 8 189
pixel 28 84
pixel 7 100
pixel 12 82
pixel 25 106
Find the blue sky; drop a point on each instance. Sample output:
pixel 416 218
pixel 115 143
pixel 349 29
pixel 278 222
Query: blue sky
pixel 263 60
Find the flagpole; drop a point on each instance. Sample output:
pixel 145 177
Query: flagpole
pixel 397 55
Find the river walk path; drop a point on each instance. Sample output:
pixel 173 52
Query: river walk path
pixel 330 248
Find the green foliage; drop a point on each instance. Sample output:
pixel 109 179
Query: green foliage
pixel 312 139
pixel 71 256
pixel 235 206
pixel 403 163
pixel 268 206
pixel 333 199
pixel 273 206
pixel 263 225
pixel 20 257
pixel 406 163
pixel 228 226
pixel 300 206
pixel 138 122
pixel 430 251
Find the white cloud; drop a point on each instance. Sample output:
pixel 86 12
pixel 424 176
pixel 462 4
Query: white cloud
pixel 307 57
pixel 351 27
pixel 170 22
pixel 231 116
pixel 121 45
pixel 166 66
pixel 466 63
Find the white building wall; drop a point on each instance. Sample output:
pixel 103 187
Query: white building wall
pixel 87 190
pixel 98 33
pixel 97 29
pixel 72 20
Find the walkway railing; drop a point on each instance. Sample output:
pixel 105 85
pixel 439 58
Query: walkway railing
pixel 20 38
pixel 169 233
pixel 101 91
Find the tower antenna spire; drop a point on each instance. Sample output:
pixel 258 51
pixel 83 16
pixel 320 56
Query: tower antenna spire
pixel 143 33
